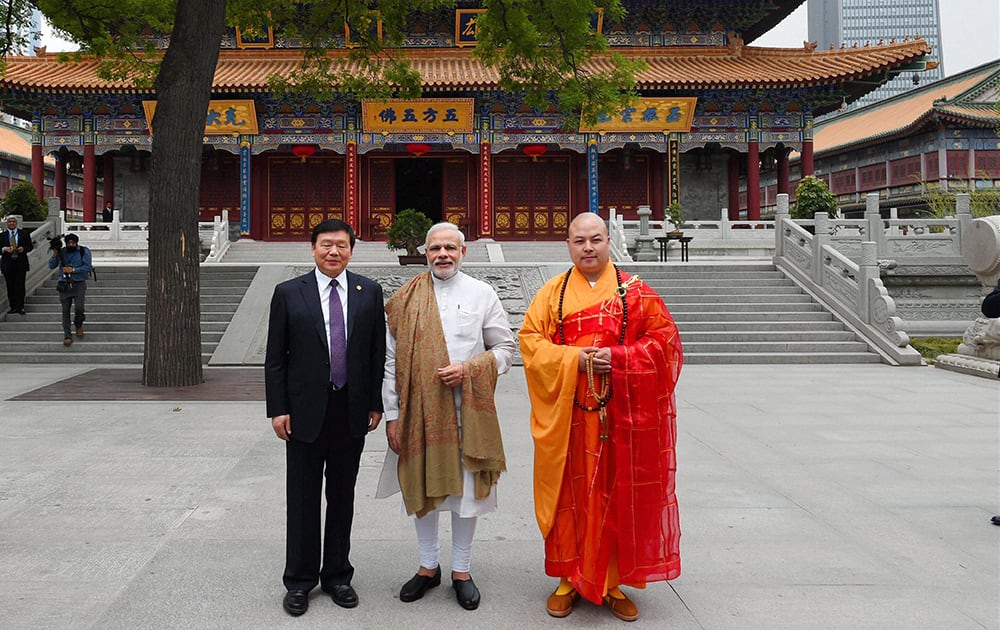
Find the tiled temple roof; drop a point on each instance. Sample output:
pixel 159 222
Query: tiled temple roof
pixel 969 98
pixel 723 67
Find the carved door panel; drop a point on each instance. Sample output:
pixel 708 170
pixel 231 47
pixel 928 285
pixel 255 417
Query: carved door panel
pixel 303 194
pixel 531 198
pixel 625 183
pixel 381 195
pixel 455 202
pixel 220 187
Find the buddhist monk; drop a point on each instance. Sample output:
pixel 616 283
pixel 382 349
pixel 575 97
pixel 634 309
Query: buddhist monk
pixel 602 357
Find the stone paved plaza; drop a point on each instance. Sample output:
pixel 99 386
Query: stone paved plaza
pixel 853 497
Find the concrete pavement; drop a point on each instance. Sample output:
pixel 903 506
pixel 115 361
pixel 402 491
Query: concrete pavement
pixel 815 496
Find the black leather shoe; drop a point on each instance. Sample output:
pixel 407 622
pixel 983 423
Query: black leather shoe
pixel 296 602
pixel 995 520
pixel 418 585
pixel 343 595
pixel 466 593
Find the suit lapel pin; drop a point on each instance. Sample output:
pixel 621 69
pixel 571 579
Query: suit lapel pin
pixel 358 287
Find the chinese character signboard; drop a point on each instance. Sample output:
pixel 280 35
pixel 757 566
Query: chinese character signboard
pixel 224 118
pixel 648 114
pixel 466 26
pixel 255 36
pixel 422 115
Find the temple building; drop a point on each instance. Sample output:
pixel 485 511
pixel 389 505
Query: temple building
pixel 712 111
pixel 941 134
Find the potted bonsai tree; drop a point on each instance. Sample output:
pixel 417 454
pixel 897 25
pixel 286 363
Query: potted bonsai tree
pixel 409 231
pixel 676 216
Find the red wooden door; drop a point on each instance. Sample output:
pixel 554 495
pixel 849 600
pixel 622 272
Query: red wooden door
pixel 302 194
pixel 456 198
pixel 380 192
pixel 531 199
pixel 625 183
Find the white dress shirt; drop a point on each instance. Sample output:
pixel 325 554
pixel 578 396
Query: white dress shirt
pixel 323 284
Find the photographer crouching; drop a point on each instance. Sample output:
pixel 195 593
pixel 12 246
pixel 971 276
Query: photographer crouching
pixel 75 262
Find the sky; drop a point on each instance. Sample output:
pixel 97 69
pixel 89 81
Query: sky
pixel 970 33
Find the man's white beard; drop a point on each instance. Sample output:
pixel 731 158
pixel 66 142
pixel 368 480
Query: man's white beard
pixel 446 274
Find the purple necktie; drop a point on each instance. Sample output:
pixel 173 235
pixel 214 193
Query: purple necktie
pixel 338 344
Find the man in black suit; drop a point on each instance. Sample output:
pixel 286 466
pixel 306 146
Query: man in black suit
pixel 14 247
pixel 323 380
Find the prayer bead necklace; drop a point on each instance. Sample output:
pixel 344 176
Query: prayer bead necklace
pixel 604 396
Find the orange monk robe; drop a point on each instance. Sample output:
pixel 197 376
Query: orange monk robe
pixel 607 509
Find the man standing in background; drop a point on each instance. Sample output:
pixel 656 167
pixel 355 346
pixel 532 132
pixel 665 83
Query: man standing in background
pixel 15 244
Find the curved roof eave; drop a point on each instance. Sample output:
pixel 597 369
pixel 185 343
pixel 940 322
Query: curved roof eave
pixel 669 68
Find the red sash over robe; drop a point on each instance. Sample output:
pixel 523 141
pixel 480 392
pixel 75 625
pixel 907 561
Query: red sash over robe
pixel 615 517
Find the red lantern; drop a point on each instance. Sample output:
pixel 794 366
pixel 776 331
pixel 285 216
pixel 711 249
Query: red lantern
pixel 303 151
pixel 534 150
pixel 418 148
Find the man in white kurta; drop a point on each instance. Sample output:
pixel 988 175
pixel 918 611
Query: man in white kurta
pixel 473 322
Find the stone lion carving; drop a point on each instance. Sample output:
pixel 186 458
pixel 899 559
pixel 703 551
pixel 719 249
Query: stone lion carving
pixel 982 339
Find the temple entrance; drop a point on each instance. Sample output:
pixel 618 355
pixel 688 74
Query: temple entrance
pixel 419 185
pixel 441 188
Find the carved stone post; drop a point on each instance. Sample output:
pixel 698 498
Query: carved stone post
pixel 873 218
pixel 644 242
pixel 780 216
pixel 867 271
pixel 821 237
pixel 963 212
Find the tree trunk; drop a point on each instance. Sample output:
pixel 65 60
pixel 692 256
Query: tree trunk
pixel 172 356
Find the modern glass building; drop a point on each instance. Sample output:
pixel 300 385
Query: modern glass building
pixel 852 23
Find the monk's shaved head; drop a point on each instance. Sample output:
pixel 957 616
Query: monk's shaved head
pixel 587 222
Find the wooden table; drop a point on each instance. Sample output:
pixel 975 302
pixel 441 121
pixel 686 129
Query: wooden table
pixel 684 240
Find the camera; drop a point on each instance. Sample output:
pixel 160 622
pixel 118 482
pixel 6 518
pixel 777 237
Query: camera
pixel 55 243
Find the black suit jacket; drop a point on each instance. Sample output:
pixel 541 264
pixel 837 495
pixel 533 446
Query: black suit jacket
pixel 991 303
pixel 297 360
pixel 9 264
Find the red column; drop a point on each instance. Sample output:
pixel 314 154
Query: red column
pixel 38 170
pixel 89 183
pixel 485 191
pixel 782 170
pixel 734 186
pixel 61 181
pixel 753 181
pixel 807 158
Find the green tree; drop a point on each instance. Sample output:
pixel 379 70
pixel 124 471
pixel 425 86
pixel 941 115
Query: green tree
pixel 536 47
pixel 22 199
pixel 811 196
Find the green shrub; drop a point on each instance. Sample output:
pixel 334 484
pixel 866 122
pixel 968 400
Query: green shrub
pixel 23 200
pixel 811 196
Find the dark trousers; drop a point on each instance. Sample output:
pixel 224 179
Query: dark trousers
pixel 335 455
pixel 78 297
pixel 15 288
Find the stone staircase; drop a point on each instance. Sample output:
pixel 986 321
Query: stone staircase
pixel 750 313
pixel 115 317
